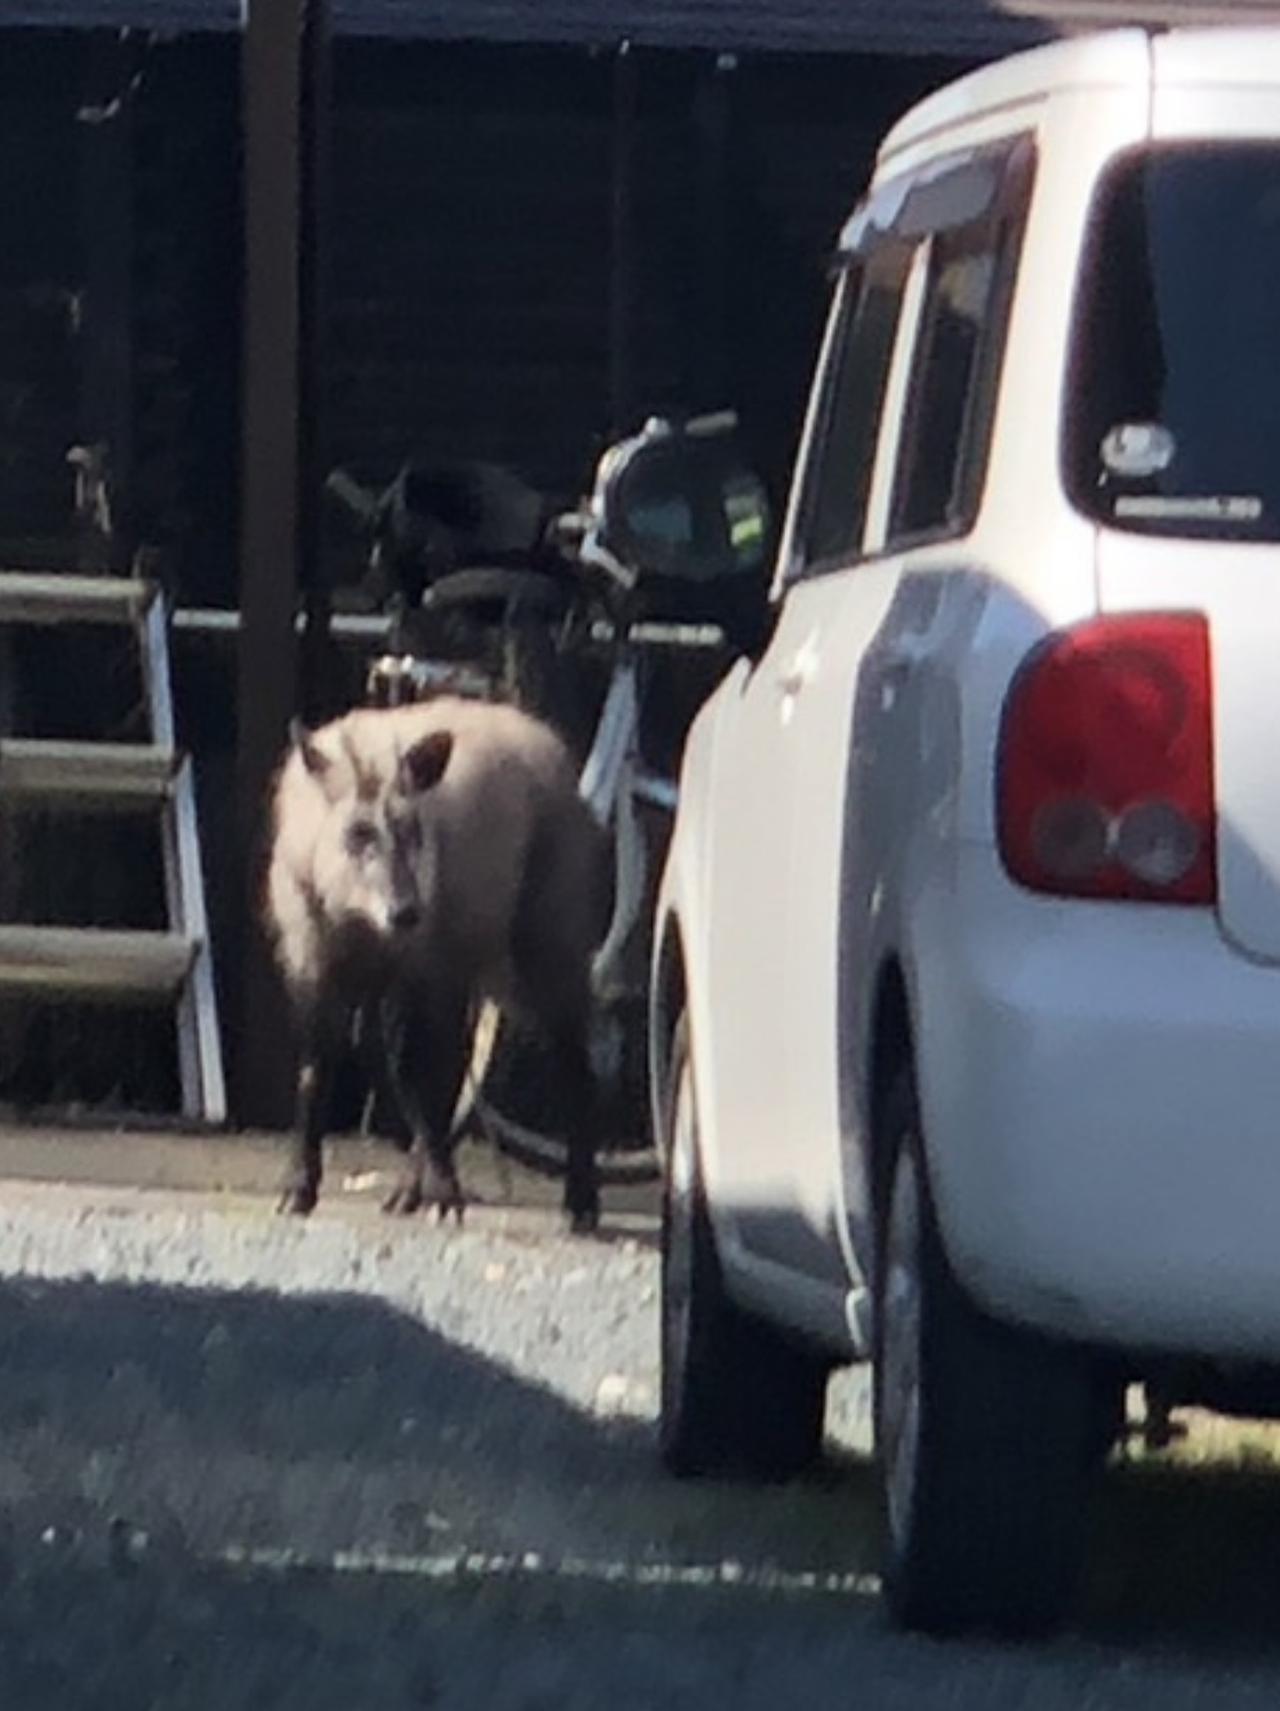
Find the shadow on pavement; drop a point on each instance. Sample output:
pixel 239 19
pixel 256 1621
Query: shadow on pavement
pixel 1188 1552
pixel 147 1434
pixel 161 1449
pixel 322 1424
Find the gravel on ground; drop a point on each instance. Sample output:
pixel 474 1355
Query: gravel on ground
pixel 363 1463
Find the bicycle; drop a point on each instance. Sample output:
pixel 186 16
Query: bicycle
pixel 648 572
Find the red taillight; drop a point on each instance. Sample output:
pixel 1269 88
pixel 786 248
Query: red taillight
pixel 1105 775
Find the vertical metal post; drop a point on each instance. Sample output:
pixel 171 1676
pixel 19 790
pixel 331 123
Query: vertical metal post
pixel 313 446
pixel 13 1012
pixel 713 348
pixel 104 459
pixel 274 79
pixel 622 245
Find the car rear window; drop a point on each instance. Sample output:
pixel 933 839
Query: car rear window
pixel 1173 421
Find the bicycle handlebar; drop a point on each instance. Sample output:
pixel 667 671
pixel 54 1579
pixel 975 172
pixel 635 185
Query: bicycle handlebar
pixel 359 502
pixel 577 536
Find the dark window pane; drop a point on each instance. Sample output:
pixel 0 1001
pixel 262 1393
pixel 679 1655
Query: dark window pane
pixel 964 318
pixel 839 481
pixel 956 306
pixel 1174 412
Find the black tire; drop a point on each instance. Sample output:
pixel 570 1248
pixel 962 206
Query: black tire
pixel 494 594
pixel 529 675
pixel 519 1108
pixel 985 1449
pixel 737 1396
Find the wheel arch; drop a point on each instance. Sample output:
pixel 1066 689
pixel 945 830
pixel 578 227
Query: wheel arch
pixel 891 1044
pixel 668 995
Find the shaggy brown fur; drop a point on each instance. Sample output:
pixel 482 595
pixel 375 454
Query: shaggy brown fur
pixel 426 858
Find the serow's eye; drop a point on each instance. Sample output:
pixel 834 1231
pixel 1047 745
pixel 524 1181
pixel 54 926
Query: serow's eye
pixel 361 836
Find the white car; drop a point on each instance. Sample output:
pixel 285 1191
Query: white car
pixel 965 1019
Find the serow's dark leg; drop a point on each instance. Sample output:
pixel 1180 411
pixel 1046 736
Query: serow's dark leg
pixel 317 1056
pixel 577 1080
pixel 375 1054
pixel 427 1038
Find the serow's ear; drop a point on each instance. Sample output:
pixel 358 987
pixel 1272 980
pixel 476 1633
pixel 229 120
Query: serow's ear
pixel 314 759
pixel 422 766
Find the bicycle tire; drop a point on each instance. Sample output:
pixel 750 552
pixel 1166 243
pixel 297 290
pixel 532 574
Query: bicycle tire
pixel 529 674
pixel 503 590
pixel 547 1156
pixel 522 1137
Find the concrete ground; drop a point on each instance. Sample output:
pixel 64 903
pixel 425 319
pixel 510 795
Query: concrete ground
pixel 360 1462
pixel 251 1165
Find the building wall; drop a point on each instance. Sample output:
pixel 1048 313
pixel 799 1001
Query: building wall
pixel 472 243
pixel 472 264
pixel 168 310
pixel 41 273
pixel 119 266
pixel 474 313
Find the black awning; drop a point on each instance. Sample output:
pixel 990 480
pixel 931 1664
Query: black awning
pixel 958 28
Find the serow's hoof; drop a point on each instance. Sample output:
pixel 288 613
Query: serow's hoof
pixel 298 1199
pixel 446 1196
pixel 410 1197
pixel 583 1220
pixel 404 1200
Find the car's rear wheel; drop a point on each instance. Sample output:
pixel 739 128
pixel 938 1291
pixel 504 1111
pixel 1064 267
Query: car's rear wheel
pixel 985 1432
pixel 737 1396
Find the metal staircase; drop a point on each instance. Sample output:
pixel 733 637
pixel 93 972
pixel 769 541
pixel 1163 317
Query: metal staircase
pixel 108 965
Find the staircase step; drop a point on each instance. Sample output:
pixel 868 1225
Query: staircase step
pixel 50 597
pixel 59 774
pixel 92 962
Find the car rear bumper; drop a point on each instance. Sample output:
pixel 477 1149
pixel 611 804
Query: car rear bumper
pixel 1100 1087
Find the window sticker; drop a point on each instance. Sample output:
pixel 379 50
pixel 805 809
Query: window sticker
pixel 1220 508
pixel 1136 451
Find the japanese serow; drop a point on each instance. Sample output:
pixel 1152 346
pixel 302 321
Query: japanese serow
pixel 426 859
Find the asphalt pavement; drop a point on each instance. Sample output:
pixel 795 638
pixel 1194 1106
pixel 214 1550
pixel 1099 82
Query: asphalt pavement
pixel 363 1462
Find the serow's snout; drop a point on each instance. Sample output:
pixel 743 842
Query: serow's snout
pixel 405 917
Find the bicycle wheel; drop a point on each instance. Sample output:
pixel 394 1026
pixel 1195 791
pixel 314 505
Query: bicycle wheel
pixel 516 1104
pixel 529 673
